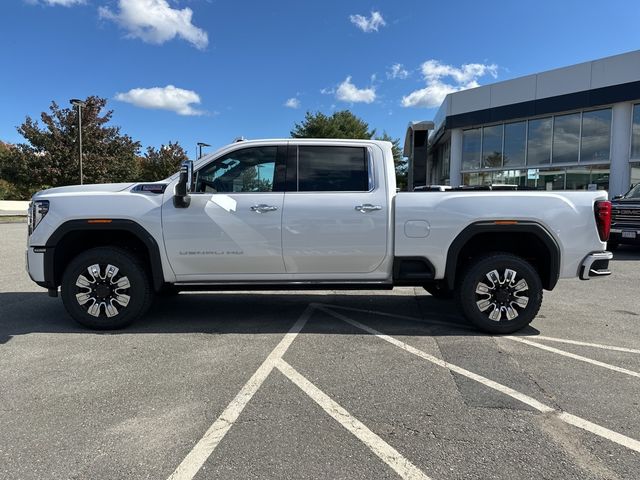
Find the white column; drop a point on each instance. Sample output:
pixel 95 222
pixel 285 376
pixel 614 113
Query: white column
pixel 620 147
pixel 455 162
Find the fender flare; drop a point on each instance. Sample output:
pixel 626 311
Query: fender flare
pixel 129 226
pixel 534 228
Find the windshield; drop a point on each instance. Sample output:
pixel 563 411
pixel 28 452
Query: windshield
pixel 634 192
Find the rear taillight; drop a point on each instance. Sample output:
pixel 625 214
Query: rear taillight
pixel 603 218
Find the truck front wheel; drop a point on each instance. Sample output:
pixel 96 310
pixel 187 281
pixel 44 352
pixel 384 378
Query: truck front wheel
pixel 500 293
pixel 106 288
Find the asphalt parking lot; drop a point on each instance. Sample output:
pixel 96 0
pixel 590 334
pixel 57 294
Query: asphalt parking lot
pixel 330 385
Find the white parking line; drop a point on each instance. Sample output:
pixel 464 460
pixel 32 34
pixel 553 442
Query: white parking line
pixel 573 355
pixel 429 321
pixel 377 445
pixel 587 344
pixel 514 338
pixel 532 402
pixel 603 432
pixel 212 437
pixel 596 429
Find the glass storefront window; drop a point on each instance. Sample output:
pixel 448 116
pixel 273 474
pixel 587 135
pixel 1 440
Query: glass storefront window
pixel 477 178
pixel 590 177
pixel 635 133
pixel 539 141
pixel 600 176
pixel 566 138
pixel 445 163
pixel 492 146
pixel 540 179
pixel 510 177
pixel 635 173
pixel 515 136
pixel 596 136
pixel 522 152
pixel 471 149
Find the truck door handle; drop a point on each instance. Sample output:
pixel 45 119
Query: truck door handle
pixel 263 208
pixel 367 207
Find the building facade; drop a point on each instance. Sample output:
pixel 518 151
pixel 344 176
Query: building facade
pixel 573 128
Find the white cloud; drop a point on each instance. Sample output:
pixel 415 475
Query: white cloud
pixel 397 71
pixel 428 97
pixel 435 74
pixel 163 98
pixel 154 21
pixel 432 70
pixel 348 92
pixel 368 25
pixel 292 102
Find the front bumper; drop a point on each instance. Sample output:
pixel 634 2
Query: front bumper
pixel 35 264
pixel 595 264
pixel 627 235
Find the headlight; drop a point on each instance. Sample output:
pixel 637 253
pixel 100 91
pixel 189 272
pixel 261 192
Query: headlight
pixel 37 211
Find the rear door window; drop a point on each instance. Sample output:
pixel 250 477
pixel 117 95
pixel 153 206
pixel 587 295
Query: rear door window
pixel 332 169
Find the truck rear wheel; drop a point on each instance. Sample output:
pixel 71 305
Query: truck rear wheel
pixel 500 293
pixel 106 288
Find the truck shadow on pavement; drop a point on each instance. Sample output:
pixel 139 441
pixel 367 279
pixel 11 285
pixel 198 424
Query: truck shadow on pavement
pixel 246 313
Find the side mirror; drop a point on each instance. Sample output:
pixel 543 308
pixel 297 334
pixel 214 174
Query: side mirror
pixel 184 187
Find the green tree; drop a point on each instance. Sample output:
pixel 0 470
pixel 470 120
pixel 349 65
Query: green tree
pixel 161 163
pixel 399 161
pixel 17 182
pixel 51 154
pixel 343 124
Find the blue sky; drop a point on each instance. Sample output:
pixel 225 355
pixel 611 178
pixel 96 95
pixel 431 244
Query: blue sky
pixel 212 70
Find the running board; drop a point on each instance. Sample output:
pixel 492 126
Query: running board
pixel 229 286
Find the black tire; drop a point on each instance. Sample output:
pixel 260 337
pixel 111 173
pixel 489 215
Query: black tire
pixel 439 291
pixel 506 294
pixel 107 290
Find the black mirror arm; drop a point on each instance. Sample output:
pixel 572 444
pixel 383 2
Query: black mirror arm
pixel 181 198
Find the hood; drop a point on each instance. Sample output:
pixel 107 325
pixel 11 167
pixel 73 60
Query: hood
pixel 626 202
pixel 99 187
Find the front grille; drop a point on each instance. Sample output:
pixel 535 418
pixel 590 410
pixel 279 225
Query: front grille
pixel 625 215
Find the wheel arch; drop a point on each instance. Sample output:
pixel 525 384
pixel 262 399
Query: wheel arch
pixel 529 240
pixel 76 236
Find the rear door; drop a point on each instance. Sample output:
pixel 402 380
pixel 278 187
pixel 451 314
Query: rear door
pixel 335 215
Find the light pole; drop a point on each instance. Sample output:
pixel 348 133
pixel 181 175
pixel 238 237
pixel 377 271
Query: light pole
pixel 79 103
pixel 200 145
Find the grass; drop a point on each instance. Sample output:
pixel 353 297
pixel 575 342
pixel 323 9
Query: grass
pixel 13 218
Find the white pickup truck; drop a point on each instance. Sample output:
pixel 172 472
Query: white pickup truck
pixel 323 214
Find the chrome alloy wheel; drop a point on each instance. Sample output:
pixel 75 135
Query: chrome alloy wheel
pixel 504 294
pixel 104 287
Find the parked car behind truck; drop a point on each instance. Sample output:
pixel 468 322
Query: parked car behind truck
pixel 625 219
pixel 294 213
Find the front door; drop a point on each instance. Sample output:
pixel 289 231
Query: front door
pixel 233 223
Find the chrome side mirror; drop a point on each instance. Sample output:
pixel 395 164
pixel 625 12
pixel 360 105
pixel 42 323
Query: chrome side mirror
pixel 184 187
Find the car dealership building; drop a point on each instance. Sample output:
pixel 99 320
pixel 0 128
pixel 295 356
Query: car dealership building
pixel 570 128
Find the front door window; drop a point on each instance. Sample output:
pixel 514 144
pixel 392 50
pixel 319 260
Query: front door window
pixel 245 170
